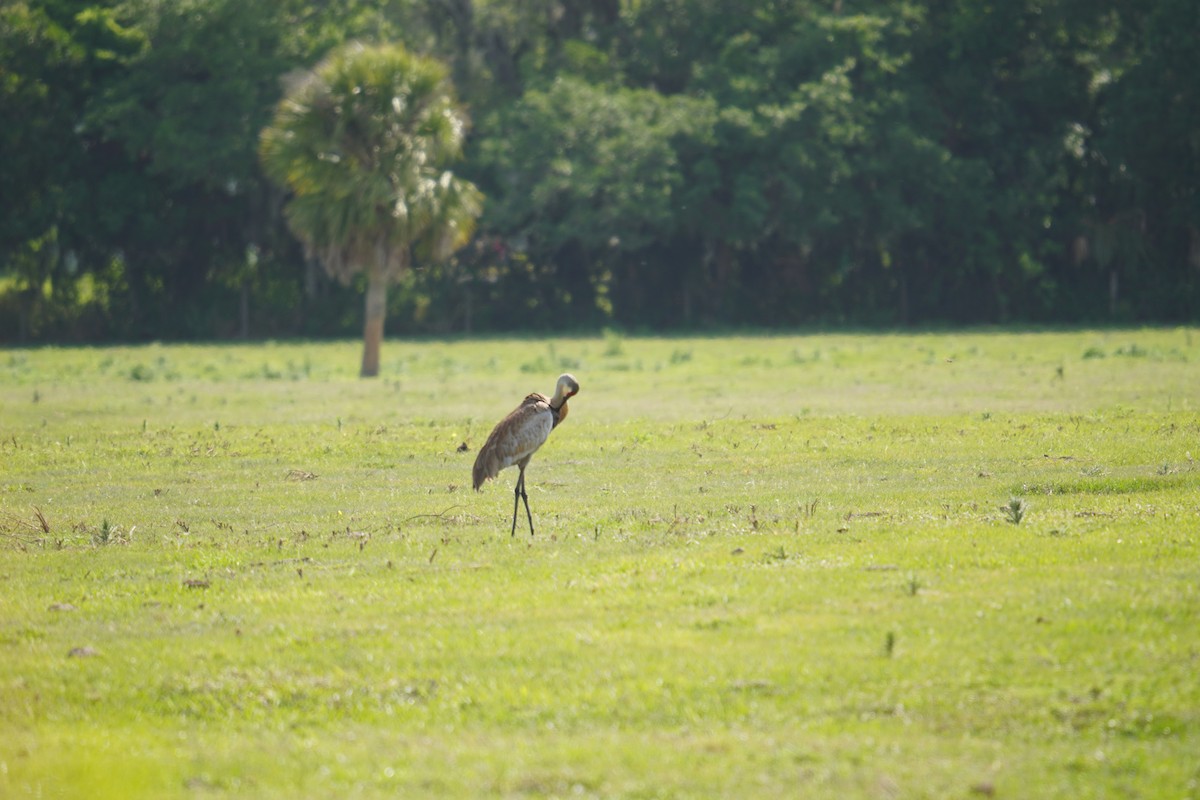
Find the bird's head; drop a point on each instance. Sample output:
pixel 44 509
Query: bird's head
pixel 567 386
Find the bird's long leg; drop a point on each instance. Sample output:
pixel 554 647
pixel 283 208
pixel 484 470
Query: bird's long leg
pixel 517 500
pixel 525 497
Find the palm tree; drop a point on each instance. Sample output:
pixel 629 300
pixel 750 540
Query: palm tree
pixel 361 142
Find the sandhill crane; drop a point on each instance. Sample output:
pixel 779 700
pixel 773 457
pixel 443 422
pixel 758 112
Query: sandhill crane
pixel 517 437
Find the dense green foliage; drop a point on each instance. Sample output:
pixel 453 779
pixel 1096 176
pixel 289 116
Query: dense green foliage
pixel 765 567
pixel 661 163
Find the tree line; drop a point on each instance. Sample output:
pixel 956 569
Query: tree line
pixel 652 164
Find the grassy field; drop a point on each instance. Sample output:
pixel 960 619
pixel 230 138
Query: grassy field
pixel 836 566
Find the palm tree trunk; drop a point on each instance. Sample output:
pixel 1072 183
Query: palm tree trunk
pixel 376 309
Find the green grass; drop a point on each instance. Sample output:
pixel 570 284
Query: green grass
pixel 765 567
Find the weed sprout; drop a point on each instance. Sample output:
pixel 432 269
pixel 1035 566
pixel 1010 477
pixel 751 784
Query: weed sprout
pixel 1016 510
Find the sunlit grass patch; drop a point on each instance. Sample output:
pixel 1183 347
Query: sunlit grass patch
pixel 254 575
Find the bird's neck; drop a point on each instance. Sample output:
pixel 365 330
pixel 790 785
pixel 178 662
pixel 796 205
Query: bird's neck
pixel 559 413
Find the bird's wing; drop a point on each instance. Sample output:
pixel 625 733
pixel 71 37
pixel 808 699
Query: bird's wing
pixel 516 437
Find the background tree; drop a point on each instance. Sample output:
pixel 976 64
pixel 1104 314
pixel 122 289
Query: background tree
pixel 1142 215
pixel 587 179
pixel 361 142
pixel 53 58
pixel 178 197
pixel 658 164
